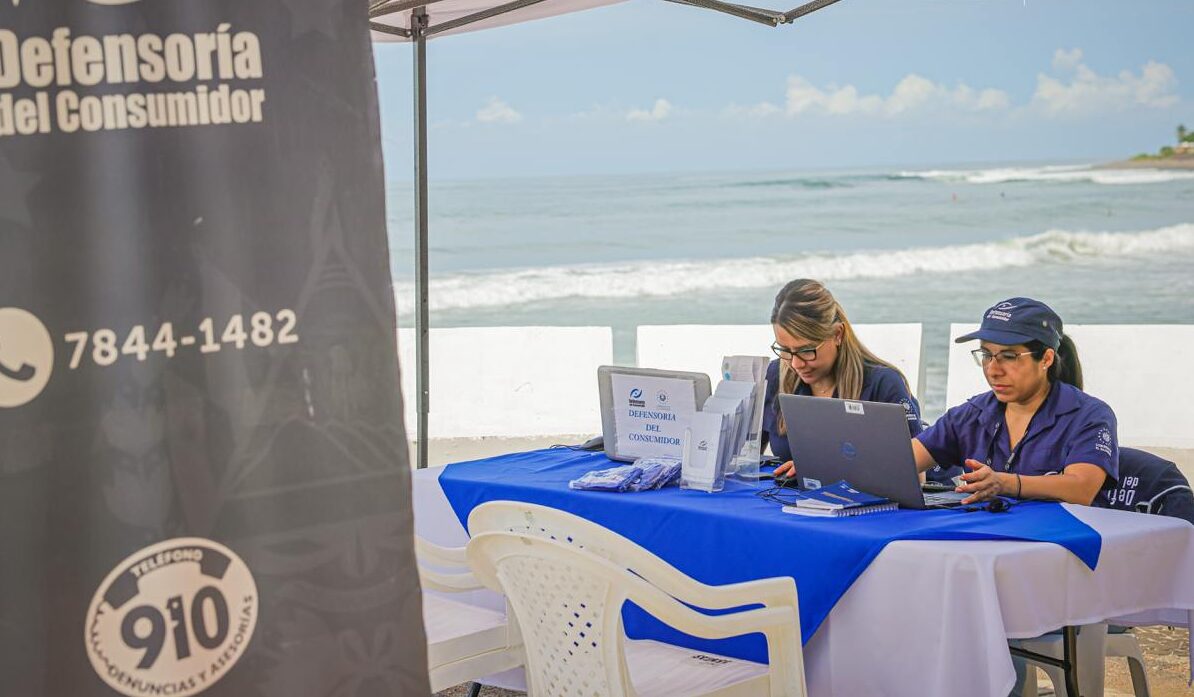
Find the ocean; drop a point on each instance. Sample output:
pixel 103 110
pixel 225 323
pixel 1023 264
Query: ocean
pixel 896 245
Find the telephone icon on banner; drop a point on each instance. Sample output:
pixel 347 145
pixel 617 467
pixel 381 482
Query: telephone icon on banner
pixel 23 374
pixel 26 357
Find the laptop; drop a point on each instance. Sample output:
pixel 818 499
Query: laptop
pixel 865 443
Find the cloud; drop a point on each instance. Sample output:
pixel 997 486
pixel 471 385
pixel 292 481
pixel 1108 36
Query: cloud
pixel 761 110
pixel 1065 61
pixel 497 111
pixel 658 112
pixel 1085 92
pixel 912 93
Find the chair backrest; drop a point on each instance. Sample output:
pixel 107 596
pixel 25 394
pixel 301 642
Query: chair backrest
pixel 568 603
pixel 1149 393
pixel 509 381
pixel 444 569
pixel 1149 484
pixel 553 524
pixel 569 577
pixel 700 347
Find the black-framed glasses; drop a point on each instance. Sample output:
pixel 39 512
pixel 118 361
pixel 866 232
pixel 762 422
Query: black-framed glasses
pixel 806 354
pixel 983 357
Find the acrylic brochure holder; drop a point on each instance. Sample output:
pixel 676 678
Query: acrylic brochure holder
pixel 723 438
pixel 750 369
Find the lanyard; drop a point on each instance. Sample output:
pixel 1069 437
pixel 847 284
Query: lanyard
pixel 1011 458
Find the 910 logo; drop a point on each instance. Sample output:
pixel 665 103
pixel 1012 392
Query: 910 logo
pixel 172 619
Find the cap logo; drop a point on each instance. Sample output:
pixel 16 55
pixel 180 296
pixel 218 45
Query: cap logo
pixel 1004 306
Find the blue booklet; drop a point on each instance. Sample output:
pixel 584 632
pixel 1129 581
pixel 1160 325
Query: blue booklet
pixel 838 500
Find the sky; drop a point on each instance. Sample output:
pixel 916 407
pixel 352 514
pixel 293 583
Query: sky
pixel 652 86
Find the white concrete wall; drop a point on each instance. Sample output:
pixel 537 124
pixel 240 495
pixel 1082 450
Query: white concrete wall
pixel 1144 372
pixel 700 347
pixel 508 381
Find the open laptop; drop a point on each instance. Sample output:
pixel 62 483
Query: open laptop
pixel 864 443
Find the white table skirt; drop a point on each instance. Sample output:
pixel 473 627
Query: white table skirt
pixel 930 619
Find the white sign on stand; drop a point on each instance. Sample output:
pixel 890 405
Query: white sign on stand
pixel 651 413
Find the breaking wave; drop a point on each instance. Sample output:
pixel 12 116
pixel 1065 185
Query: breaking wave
pixel 670 278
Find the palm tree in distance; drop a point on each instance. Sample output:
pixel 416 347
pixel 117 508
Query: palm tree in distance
pixel 1182 133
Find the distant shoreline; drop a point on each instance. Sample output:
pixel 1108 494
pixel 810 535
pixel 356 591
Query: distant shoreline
pixel 1172 162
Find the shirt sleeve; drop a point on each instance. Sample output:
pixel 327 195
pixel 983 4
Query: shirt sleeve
pixel 890 388
pixel 1095 442
pixel 941 439
pixel 770 409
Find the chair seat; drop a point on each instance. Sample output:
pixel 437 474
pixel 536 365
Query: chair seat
pixel 663 670
pixel 457 630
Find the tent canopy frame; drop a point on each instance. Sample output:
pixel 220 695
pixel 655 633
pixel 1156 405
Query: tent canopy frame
pixel 421 28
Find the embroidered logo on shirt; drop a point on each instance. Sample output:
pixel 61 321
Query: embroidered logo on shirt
pixel 1103 444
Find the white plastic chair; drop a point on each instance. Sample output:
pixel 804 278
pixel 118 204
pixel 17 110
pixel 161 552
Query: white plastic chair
pixel 567 578
pixel 464 641
pixel 1116 646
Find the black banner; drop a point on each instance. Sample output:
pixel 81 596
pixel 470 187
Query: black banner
pixel 204 484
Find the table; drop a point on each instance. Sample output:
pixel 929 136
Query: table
pixel 933 618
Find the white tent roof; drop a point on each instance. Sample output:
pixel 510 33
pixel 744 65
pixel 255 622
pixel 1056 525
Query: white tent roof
pixel 391 19
pixel 444 14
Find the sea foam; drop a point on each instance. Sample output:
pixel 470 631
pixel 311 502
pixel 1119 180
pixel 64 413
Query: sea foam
pixel 1054 173
pixel 677 277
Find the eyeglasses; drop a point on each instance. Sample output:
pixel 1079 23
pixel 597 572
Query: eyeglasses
pixel 806 354
pixel 982 357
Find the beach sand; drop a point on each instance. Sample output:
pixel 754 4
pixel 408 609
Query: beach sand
pixel 1172 162
pixel 1165 649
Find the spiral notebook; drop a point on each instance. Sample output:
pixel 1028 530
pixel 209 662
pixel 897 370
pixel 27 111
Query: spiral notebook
pixel 837 501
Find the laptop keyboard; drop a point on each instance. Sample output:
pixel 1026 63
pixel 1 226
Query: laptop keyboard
pixel 944 498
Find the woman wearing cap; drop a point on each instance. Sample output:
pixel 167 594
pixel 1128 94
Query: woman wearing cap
pixel 820 355
pixel 1036 434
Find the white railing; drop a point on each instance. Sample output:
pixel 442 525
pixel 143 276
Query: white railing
pixel 542 381
pixel 509 381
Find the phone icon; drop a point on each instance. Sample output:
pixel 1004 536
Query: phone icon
pixel 23 374
pixel 26 357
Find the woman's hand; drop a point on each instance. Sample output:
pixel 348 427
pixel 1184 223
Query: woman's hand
pixel 785 470
pixel 981 483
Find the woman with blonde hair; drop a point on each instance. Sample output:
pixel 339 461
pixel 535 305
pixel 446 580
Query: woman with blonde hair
pixel 820 355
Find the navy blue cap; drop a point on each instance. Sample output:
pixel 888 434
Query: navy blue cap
pixel 1018 321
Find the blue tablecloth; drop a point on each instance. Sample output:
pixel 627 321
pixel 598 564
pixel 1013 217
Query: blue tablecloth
pixel 735 536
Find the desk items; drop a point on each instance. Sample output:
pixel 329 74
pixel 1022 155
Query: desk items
pixel 644 411
pixel 646 473
pixel 723 438
pixel 837 501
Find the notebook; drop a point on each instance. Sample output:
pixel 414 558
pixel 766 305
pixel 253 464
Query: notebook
pixel 838 500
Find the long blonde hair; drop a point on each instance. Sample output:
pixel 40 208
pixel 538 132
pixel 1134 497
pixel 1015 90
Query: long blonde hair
pixel 807 309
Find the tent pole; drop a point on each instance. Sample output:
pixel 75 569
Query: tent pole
pixel 419 22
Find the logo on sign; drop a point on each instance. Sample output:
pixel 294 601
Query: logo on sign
pixel 661 397
pixel 26 357
pixel 171 619
pixel 636 398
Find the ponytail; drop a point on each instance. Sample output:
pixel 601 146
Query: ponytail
pixel 1066 366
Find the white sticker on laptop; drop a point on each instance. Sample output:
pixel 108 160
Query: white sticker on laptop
pixel 810 483
pixel 854 407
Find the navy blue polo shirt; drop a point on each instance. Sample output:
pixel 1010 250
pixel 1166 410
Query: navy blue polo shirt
pixel 879 384
pixel 1148 484
pixel 1069 427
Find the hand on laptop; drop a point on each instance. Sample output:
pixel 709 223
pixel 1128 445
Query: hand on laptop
pixel 785 470
pixel 981 482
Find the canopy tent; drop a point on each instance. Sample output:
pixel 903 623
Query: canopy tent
pixel 418 20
